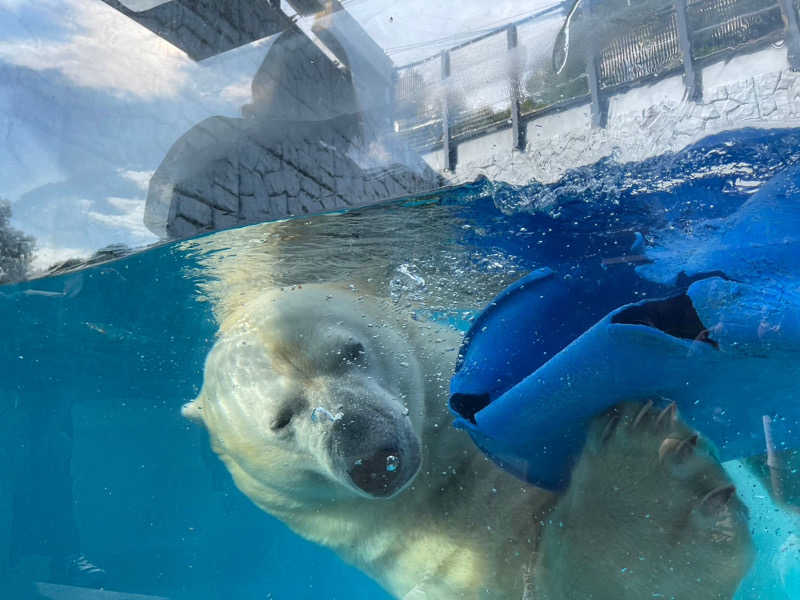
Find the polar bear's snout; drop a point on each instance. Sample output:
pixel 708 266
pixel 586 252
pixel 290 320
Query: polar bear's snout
pixel 311 387
pixel 379 474
pixel 378 451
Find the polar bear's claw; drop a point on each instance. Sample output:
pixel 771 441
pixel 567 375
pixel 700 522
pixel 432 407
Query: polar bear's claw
pixel 649 512
pixel 679 451
pixel 668 416
pixel 641 414
pixel 715 500
pixel 608 430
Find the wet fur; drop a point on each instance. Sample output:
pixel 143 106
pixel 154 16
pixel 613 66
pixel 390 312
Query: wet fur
pixel 649 510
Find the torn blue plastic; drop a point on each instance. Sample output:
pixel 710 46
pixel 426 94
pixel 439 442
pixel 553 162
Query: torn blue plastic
pixel 522 328
pixel 760 242
pixel 726 351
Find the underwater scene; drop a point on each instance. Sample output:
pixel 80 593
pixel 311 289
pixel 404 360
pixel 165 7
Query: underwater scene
pixel 581 389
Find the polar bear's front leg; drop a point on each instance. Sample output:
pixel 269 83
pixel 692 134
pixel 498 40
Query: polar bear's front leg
pixel 649 513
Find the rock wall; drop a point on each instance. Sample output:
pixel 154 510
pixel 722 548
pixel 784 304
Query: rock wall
pixel 225 173
pixel 306 144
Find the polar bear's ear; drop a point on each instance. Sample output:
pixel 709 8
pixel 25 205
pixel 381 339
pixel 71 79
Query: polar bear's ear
pixel 194 411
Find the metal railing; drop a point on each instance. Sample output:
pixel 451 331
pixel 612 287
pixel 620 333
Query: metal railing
pixel 486 83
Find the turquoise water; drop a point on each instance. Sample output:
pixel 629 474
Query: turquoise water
pixel 96 461
pixel 96 365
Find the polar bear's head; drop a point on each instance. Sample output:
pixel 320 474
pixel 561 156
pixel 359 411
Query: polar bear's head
pixel 315 394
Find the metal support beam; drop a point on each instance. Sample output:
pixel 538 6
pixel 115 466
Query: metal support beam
pixel 599 109
pixel 517 131
pixel 448 149
pixel 792 33
pixel 203 29
pixel 599 116
pixel 307 7
pixel 351 45
pixel 691 76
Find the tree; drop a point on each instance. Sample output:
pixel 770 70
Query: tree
pixel 16 248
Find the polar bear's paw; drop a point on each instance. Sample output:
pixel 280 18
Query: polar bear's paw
pixel 649 513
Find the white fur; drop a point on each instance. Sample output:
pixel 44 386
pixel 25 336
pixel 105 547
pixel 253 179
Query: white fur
pixel 428 537
pixel 458 526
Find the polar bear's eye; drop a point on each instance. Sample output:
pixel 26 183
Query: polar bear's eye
pixel 283 418
pixel 352 352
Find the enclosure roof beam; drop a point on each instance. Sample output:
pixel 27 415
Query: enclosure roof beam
pixel 204 28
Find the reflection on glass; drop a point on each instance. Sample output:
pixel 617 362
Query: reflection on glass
pixel 499 302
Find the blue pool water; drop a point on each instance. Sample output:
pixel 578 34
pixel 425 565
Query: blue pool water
pixel 95 459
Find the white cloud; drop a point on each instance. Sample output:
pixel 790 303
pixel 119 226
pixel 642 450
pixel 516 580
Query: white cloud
pixel 102 50
pixel 13 4
pixel 124 226
pixel 238 93
pixel 140 178
pixel 46 256
pixel 408 31
pixel 129 219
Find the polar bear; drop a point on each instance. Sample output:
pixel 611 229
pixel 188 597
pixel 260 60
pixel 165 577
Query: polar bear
pixel 328 406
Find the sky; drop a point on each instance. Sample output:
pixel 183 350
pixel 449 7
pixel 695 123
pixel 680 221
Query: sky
pixel 90 103
pixel 411 30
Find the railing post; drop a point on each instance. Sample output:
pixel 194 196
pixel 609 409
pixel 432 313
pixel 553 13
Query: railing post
pixel 391 105
pixel 792 34
pixel 691 76
pixel 448 151
pixel 517 131
pixel 598 103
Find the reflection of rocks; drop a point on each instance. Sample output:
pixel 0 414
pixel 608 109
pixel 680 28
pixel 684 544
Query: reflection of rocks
pixel 224 172
pixel 302 148
pixel 297 82
pixel 104 255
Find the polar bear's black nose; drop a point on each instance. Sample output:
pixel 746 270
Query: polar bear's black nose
pixel 376 448
pixel 378 474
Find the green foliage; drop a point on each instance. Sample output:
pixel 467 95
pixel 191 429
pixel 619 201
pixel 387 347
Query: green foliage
pixel 16 248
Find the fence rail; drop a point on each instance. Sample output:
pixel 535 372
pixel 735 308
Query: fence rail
pixel 489 83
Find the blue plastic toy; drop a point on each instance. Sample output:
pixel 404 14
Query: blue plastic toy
pixel 531 375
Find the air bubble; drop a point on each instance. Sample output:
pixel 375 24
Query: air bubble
pixel 320 414
pixel 392 462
